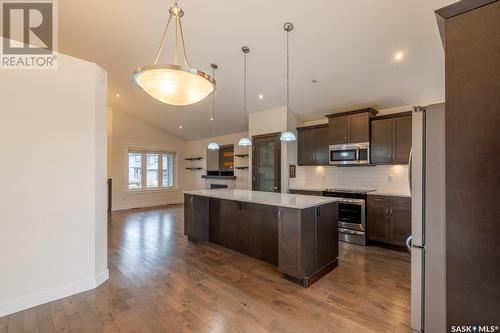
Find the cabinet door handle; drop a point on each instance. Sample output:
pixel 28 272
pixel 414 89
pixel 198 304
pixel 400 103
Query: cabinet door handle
pixel 390 212
pixel 387 211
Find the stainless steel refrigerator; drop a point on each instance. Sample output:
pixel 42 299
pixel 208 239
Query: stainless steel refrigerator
pixel 427 242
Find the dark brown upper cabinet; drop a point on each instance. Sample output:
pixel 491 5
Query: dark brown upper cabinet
pixel 350 127
pixel 312 145
pixel 391 139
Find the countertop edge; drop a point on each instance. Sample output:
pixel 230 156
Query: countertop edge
pixel 324 201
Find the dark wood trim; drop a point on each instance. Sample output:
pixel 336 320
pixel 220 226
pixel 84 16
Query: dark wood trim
pixel 110 194
pixel 302 128
pixel 260 136
pixel 393 115
pixel 371 111
pixel 308 281
pixel 461 7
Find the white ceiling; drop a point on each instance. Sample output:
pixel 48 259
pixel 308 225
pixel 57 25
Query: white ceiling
pixel 347 46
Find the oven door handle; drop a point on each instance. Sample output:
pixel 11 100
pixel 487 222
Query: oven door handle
pixel 350 232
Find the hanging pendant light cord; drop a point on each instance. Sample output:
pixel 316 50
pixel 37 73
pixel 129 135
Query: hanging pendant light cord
pixel 245 87
pixel 162 43
pixel 178 33
pixel 213 107
pixel 287 72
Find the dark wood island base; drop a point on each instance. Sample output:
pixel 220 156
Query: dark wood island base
pixel 308 281
pixel 301 240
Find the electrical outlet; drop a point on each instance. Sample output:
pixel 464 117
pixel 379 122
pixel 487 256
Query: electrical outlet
pixel 390 178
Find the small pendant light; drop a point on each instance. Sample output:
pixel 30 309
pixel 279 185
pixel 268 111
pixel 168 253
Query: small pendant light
pixel 245 141
pixel 213 145
pixel 288 136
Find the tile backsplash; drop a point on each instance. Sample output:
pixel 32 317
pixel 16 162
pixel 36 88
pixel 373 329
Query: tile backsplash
pixel 393 178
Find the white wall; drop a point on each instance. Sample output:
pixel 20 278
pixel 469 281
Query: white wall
pixel 128 131
pixel 53 186
pixel 198 148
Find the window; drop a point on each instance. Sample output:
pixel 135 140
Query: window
pixel 134 170
pixel 150 169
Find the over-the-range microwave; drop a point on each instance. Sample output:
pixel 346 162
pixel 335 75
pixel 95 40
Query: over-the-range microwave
pixel 352 153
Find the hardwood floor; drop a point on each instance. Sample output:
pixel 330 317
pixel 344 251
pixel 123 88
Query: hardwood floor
pixel 161 283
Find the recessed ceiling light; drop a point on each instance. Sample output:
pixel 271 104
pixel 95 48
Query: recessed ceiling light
pixel 211 118
pixel 261 96
pixel 180 126
pixel 117 95
pixel 398 56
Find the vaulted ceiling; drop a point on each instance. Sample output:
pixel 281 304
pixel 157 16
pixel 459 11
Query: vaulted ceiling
pixel 347 47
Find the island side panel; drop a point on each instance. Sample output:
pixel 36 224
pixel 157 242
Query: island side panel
pixel 327 235
pixel 308 242
pixel 196 218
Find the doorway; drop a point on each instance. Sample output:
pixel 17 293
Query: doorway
pixel 266 163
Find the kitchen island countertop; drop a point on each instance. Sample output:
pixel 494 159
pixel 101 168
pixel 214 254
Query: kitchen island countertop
pixel 296 201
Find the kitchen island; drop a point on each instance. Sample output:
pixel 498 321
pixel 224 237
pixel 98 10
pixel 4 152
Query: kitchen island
pixel 297 233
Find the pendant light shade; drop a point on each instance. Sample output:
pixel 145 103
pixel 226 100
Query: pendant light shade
pixel 245 142
pixel 173 83
pixel 213 146
pixel 288 136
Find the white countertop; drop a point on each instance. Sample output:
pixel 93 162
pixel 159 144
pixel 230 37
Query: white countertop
pixel 266 198
pixel 390 193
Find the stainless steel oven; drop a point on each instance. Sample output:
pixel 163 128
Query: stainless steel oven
pixel 350 154
pixel 351 214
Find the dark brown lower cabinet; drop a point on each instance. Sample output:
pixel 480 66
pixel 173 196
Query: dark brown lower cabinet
pixel 389 219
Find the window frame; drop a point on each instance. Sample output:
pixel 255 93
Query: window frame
pixel 144 151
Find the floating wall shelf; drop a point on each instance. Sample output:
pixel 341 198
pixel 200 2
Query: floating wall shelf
pixel 241 155
pixel 194 158
pixel 194 168
pixel 241 168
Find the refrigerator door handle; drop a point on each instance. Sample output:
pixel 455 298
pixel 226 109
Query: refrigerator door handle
pixel 408 243
pixel 410 158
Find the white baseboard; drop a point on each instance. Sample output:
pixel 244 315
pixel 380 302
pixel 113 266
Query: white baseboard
pixel 146 205
pixel 47 296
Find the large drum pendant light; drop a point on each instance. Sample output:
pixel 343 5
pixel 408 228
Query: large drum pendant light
pixel 245 141
pixel 288 136
pixel 173 83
